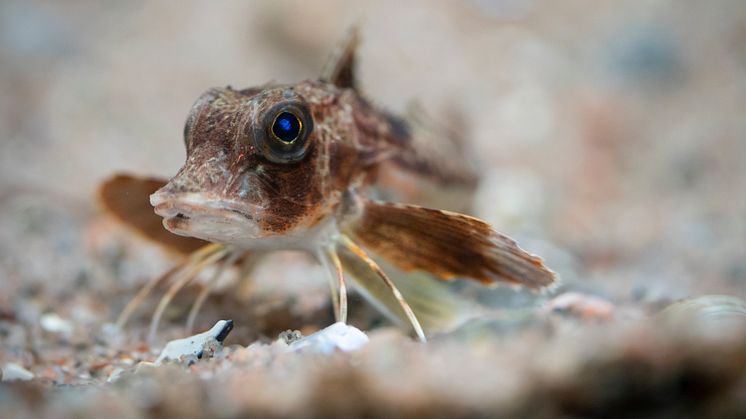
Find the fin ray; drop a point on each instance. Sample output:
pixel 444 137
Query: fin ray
pixel 446 244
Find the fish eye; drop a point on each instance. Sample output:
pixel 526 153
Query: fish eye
pixel 286 127
pixel 283 131
pixel 187 130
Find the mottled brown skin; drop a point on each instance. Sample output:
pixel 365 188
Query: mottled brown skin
pixel 237 189
pixel 350 138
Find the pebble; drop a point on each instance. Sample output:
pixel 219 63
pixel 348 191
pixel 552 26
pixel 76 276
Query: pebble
pixel 581 305
pixel 15 372
pixel 339 336
pixel 53 323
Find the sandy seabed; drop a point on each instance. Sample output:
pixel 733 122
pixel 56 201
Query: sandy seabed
pixel 611 142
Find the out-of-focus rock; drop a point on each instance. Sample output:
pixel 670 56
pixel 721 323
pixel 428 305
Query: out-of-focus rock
pixel 14 372
pixel 581 305
pixel 711 314
pixel 337 337
pixel 53 323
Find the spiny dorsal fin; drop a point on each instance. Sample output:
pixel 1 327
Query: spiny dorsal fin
pixel 340 69
pixel 446 244
pixel 434 149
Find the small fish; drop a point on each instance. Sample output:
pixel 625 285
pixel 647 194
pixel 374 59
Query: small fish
pixel 287 167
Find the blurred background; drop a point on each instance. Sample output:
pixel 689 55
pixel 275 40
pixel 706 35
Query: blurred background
pixel 610 135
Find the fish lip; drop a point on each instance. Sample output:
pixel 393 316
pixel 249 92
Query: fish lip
pixel 193 205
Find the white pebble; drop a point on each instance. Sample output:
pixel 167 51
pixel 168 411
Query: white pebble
pixel 338 336
pixel 15 372
pixel 53 323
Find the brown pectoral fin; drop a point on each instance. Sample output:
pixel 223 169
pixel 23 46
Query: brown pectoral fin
pixel 128 199
pixel 447 245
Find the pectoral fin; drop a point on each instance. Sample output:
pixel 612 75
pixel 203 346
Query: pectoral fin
pixel 446 244
pixel 128 199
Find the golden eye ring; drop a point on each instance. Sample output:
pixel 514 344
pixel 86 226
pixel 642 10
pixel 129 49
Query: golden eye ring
pixel 282 132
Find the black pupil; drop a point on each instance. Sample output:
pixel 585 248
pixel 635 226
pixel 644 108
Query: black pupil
pixel 286 127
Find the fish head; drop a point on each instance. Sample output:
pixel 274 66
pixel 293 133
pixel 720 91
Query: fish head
pixel 261 162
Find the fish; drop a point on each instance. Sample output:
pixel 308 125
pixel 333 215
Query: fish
pixel 292 167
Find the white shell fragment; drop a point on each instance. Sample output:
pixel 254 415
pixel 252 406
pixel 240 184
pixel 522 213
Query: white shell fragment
pixel 707 313
pixel 338 336
pixel 53 323
pixel 15 372
pixel 197 346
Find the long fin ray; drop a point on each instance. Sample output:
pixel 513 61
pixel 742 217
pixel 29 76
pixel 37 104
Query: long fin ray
pixel 194 259
pixel 184 279
pixel 373 266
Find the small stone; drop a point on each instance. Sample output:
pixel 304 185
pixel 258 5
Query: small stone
pixel 53 323
pixel 581 305
pixel 338 336
pixel 15 372
pixel 290 336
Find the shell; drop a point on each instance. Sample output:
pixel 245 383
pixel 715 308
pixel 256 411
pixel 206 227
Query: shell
pixel 708 312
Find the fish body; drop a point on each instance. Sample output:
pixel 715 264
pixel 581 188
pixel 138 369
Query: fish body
pixel 287 167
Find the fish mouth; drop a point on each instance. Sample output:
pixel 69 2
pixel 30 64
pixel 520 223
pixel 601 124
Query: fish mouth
pixel 204 216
